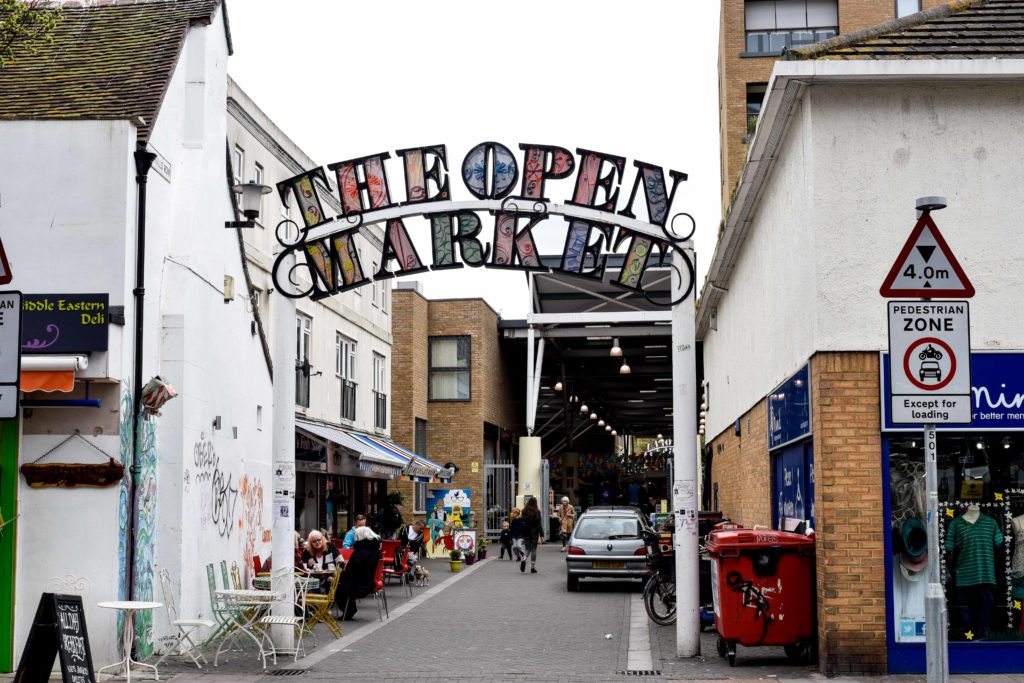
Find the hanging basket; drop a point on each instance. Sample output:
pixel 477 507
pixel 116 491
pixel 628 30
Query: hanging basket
pixel 71 475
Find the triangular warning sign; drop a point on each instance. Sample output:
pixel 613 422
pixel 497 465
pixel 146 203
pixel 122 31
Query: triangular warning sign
pixel 5 268
pixel 926 267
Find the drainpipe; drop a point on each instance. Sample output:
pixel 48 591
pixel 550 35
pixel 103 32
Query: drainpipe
pixel 143 162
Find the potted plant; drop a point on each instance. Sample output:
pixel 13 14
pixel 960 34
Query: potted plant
pixel 456 560
pixel 482 547
pixel 470 556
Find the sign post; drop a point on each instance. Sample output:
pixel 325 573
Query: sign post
pixel 930 381
pixel 10 353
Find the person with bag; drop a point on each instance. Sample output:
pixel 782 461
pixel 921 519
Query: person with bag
pixel 566 520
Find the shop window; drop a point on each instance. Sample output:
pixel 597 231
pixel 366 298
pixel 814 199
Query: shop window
pixel 793 487
pixel 981 535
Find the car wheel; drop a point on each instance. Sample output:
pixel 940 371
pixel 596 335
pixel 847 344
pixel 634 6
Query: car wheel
pixel 572 583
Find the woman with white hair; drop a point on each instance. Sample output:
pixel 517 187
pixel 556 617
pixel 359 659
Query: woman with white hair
pixel 358 579
pixel 566 520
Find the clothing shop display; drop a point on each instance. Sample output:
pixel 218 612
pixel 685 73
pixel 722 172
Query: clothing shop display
pixel 1017 561
pixel 974 544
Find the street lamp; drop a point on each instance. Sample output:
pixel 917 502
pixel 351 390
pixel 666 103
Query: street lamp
pixel 252 193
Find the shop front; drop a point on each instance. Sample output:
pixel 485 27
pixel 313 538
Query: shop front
pixel 791 451
pixel 981 534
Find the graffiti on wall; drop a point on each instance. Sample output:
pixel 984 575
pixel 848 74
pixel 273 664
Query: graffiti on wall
pixel 145 529
pixel 250 522
pixel 126 450
pixel 219 495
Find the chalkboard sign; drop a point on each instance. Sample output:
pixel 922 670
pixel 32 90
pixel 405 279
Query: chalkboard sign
pixel 59 628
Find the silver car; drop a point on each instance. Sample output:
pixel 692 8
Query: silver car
pixel 606 542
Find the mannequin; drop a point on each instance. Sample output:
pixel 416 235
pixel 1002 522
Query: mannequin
pixel 973 537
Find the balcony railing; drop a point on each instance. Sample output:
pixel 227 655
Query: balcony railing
pixel 348 400
pixel 380 410
pixel 773 42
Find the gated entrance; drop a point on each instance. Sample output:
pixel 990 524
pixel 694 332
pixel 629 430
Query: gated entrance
pixel 499 496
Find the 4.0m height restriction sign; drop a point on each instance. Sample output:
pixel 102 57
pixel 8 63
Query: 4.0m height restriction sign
pixel 930 362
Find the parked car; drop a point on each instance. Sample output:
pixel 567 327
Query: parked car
pixel 607 542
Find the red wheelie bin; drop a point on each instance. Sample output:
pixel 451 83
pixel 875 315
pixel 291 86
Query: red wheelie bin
pixel 762 584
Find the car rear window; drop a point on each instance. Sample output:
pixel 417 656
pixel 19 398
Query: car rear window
pixel 607 528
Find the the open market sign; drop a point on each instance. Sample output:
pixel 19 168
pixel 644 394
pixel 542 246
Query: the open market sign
pixel 496 229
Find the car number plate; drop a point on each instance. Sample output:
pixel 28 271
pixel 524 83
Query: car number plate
pixel 609 565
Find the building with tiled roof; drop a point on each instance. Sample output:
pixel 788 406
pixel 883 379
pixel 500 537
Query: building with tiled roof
pixel 115 187
pixel 804 425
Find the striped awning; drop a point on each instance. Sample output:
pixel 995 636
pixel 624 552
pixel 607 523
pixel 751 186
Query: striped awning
pixel 371 458
pixel 419 467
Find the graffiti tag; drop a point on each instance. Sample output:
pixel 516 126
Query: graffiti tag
pixel 223 495
pixel 752 597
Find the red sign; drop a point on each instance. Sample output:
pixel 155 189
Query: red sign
pixel 926 267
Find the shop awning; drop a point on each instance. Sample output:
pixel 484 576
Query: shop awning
pixel 419 467
pixel 50 373
pixel 371 458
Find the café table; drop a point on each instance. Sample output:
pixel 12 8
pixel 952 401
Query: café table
pixel 308 583
pixel 129 607
pixel 244 608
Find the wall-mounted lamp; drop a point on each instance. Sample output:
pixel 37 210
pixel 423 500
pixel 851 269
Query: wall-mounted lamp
pixel 593 416
pixel 216 422
pixel 229 289
pixel 616 350
pixel 558 386
pixel 250 203
pixel 583 408
pixel 600 423
pixel 624 369
pixel 614 433
pixel 608 428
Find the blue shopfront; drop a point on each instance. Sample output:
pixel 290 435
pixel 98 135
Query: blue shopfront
pixel 792 453
pixel 981 534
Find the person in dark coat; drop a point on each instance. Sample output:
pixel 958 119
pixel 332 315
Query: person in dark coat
pixel 358 578
pixel 533 531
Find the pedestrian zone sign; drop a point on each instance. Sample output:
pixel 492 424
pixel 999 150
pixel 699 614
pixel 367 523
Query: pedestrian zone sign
pixel 5 268
pixel 929 362
pixel 926 267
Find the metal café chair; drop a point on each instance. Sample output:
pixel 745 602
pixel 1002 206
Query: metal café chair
pixel 321 604
pixel 218 609
pixel 186 627
pixel 297 621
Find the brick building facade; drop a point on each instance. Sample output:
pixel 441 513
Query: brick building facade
pixel 468 433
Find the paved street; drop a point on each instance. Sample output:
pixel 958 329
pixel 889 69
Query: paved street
pixel 493 623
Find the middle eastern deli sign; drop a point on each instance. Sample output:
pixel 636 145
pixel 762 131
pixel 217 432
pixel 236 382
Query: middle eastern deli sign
pixel 499 228
pixel 64 323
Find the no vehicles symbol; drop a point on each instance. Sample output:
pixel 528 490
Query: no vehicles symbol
pixel 929 363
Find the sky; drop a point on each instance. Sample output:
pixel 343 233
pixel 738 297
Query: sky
pixel 635 79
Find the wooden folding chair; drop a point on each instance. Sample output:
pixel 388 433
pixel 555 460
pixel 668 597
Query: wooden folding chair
pixel 321 603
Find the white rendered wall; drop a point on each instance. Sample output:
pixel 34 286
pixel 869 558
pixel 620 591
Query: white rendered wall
pixel 838 207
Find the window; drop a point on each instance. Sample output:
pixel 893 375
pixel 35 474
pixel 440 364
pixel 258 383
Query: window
pixel 419 498
pixel 374 287
pixel 303 339
pixel 258 177
pixel 345 368
pixel 380 399
pixel 773 25
pixel 420 446
pixel 449 369
pixel 905 7
pixel 259 418
pixel 238 164
pixel 755 97
pixel 384 290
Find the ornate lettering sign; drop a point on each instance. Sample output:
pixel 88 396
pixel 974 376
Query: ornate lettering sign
pixel 497 229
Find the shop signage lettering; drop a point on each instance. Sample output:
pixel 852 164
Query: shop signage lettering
pixel 599 218
pixel 997 394
pixel 64 323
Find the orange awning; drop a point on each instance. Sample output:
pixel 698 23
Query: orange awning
pixel 47 380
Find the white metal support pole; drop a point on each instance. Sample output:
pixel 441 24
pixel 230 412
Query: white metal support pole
pixel 684 483
pixel 936 618
pixel 282 323
pixel 531 405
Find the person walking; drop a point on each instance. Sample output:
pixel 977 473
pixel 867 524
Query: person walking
pixel 532 532
pixel 566 520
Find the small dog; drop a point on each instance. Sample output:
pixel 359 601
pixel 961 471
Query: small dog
pixel 422 575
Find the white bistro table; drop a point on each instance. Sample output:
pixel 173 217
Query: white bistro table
pixel 244 608
pixel 129 607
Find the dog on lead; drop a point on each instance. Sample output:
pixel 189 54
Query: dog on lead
pixel 422 575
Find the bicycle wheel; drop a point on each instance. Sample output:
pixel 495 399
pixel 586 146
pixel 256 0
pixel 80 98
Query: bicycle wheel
pixel 660 601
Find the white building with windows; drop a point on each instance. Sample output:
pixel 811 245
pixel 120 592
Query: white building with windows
pixel 343 342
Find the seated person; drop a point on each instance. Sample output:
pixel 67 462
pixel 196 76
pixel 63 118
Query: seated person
pixel 320 554
pixel 412 537
pixel 350 537
pixel 358 579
